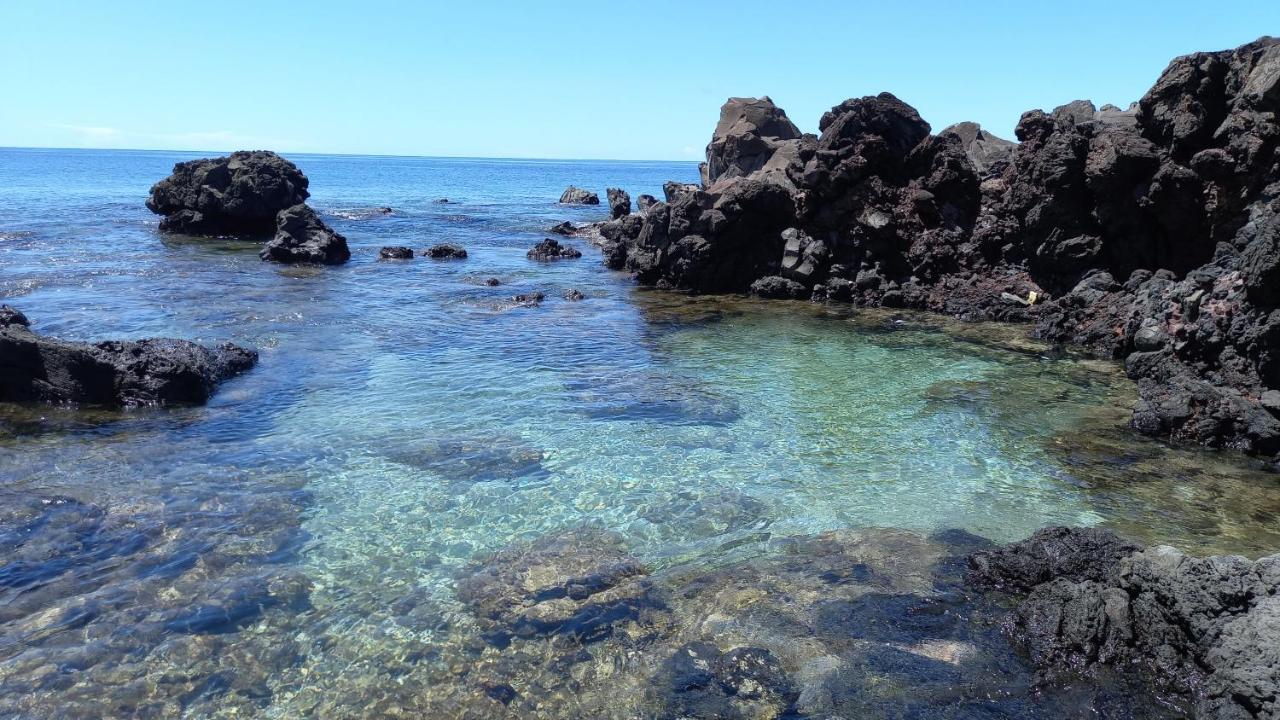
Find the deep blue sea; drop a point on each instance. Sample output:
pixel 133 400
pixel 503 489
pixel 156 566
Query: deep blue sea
pixel 293 548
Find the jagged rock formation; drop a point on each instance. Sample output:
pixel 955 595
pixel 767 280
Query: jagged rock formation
pixel 1149 234
pixel 302 237
pixel 250 193
pixel 35 368
pixel 577 196
pixel 619 202
pixel 1205 629
pixel 446 251
pixel 551 249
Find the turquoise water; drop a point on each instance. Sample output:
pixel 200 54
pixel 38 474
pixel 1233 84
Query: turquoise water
pixel 293 548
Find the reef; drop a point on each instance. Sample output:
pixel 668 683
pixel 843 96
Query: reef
pixel 1149 235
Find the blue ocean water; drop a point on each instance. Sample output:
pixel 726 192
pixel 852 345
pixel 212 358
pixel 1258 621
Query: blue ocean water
pixel 407 418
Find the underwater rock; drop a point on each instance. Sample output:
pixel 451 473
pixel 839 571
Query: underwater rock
pixel 551 249
pixel 532 298
pixel 574 295
pixel 580 584
pixel 302 237
pixel 446 251
pixel 577 196
pixel 564 228
pixel 471 460
pixel 395 253
pixel 113 373
pixel 239 194
pixel 1204 629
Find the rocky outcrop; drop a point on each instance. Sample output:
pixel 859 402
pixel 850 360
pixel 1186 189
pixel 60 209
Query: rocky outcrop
pixel 35 368
pixel 577 196
pixel 1205 629
pixel 239 194
pixel 644 202
pixel 446 251
pixel 565 228
pixel 551 249
pixel 619 202
pixel 302 237
pixel 1150 234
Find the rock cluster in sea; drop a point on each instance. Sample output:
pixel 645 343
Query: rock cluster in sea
pixel 251 193
pixel 1205 630
pixel 1150 234
pixel 114 373
pixel 577 196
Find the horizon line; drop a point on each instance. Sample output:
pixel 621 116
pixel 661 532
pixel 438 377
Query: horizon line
pixel 340 154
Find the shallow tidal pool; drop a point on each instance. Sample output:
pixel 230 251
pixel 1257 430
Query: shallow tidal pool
pixel 336 533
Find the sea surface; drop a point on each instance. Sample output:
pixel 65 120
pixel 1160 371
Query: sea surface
pixel 293 549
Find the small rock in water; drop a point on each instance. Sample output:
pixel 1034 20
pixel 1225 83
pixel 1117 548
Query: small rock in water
pixel 492 282
pixel 442 201
pixel 529 298
pixel 395 253
pixel 577 196
pixel 574 294
pixel 564 228
pixel 446 251
pixel 551 249
pixel 302 237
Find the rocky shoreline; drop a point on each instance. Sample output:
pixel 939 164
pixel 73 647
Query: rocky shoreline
pixel 1149 235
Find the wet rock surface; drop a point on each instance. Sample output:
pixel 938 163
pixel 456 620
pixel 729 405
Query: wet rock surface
pixel 302 237
pixel 1200 630
pixel 577 196
pixel 446 251
pixel 1147 234
pixel 395 253
pixel 551 249
pixel 239 194
pixel 161 371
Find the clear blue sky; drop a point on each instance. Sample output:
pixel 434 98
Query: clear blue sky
pixel 637 80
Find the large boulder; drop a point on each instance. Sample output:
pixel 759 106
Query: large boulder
pixel 112 373
pixel 619 202
pixel 302 237
pixel 990 156
pixel 752 135
pixel 239 194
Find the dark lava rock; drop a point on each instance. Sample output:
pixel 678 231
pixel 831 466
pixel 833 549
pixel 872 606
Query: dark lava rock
pixel 577 196
pixel 492 282
pixel 746 682
pixel 1150 234
pixel 442 201
pixel 580 583
pixel 574 295
pixel 446 251
pixel 112 373
pixel 778 287
pixel 1206 630
pixel 395 253
pixel 551 249
pixel 239 194
pixel 619 202
pixel 532 298
pixel 1077 554
pixel 644 202
pixel 302 237
pixel 564 228
pixel 12 316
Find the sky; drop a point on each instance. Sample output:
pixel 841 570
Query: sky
pixel 636 80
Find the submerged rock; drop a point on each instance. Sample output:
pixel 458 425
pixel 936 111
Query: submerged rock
pixel 551 249
pixel 239 194
pixel 577 196
pixel 446 251
pixel 564 228
pixel 112 373
pixel 574 295
pixel 302 237
pixel 581 584
pixel 395 253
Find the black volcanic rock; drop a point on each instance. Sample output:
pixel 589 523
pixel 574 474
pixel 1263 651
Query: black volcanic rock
pixel 1204 630
pixel 1152 231
pixel 551 249
pixel 619 202
pixel 577 196
pixel 644 202
pixel 302 237
pixel 239 194
pixel 161 371
pixel 565 228
pixel 446 251
pixel 395 253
